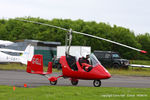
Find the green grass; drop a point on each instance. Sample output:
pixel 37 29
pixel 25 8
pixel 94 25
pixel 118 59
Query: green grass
pixel 12 66
pixel 141 62
pixel 73 93
pixel 131 71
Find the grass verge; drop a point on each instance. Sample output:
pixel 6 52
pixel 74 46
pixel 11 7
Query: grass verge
pixel 12 66
pixel 73 93
pixel 131 72
pixel 140 62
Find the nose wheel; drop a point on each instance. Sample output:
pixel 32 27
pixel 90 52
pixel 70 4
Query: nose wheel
pixel 74 82
pixel 97 83
pixel 53 82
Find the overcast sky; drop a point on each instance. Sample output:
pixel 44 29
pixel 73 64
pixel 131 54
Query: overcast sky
pixel 132 14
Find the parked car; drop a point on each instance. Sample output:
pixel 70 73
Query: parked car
pixel 111 59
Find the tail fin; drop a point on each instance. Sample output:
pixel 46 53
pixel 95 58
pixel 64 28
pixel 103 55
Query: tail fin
pixel 27 54
pixel 36 66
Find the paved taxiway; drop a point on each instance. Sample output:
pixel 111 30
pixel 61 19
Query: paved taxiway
pixel 19 78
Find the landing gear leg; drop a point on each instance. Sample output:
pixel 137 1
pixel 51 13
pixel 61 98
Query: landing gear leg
pixel 97 83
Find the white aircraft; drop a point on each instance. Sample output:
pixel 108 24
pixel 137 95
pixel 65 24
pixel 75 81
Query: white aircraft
pixel 136 65
pixel 7 55
pixel 4 43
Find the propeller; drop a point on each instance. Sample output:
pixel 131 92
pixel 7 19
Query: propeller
pixel 85 34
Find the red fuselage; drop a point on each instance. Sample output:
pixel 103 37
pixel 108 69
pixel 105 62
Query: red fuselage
pixel 98 72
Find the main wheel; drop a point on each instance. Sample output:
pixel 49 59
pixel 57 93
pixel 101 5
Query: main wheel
pixel 125 67
pixel 97 83
pixel 74 82
pixel 116 66
pixel 53 82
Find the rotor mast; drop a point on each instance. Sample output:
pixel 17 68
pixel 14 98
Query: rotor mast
pixel 68 41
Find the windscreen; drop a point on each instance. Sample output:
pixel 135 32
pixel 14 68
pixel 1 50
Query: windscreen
pixel 115 56
pixel 93 60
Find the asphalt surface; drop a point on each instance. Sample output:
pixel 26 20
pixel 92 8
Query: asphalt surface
pixel 19 78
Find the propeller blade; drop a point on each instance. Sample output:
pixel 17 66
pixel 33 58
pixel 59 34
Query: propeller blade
pixel 89 35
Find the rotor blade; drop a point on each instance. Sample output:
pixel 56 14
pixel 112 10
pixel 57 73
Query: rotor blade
pixel 100 38
pixel 43 24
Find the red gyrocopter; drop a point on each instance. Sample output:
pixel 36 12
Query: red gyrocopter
pixel 73 68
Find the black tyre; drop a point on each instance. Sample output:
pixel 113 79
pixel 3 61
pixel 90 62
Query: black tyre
pixel 53 82
pixel 74 82
pixel 126 67
pixel 116 66
pixel 97 83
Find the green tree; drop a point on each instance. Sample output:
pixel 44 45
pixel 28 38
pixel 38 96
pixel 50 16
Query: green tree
pixel 144 40
pixel 13 30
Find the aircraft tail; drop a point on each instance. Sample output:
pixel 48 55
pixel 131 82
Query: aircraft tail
pixel 35 66
pixel 27 54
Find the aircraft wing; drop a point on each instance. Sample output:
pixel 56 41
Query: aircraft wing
pixel 9 50
pixel 6 43
pixel 136 65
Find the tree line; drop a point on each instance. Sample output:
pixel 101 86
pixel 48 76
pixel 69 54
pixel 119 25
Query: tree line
pixel 13 30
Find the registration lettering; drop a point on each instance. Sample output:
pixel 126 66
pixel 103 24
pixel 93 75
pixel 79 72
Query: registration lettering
pixel 36 61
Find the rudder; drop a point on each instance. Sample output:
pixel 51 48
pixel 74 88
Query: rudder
pixel 35 65
pixel 27 54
